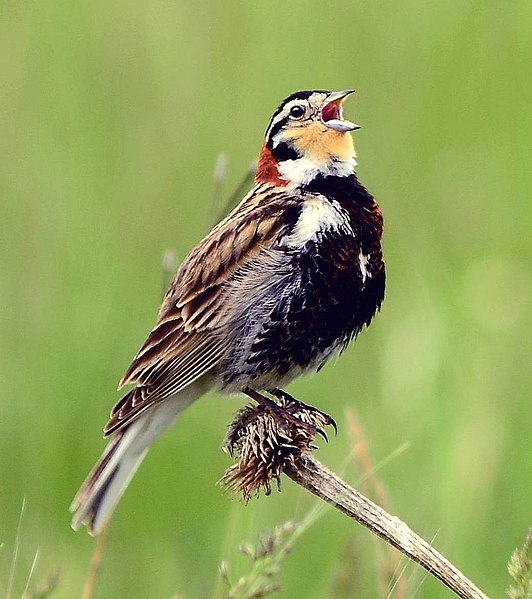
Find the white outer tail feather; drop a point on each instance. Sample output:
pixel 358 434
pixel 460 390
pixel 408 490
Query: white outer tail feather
pixel 103 488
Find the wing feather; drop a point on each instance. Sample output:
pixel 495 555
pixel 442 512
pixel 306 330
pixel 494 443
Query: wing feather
pixel 188 341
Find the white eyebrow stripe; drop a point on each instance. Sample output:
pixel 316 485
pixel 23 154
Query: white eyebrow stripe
pixel 284 113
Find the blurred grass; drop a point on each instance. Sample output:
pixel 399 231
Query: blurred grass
pixel 112 115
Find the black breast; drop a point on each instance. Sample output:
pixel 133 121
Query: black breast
pixel 367 224
pixel 319 313
pixel 320 298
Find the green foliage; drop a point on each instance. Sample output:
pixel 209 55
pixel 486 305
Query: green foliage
pixel 47 588
pixel 266 556
pixel 112 117
pixel 520 569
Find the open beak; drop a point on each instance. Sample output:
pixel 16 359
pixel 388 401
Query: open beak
pixel 331 113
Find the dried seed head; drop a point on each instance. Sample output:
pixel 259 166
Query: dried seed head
pixel 267 437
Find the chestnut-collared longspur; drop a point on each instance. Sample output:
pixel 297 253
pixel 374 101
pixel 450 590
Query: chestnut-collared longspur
pixel 275 290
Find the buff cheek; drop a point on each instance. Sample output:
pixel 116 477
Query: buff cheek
pixel 322 144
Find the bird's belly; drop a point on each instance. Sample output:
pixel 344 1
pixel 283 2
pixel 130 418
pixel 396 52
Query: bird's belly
pixel 299 315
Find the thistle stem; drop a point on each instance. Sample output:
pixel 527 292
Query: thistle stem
pixel 319 480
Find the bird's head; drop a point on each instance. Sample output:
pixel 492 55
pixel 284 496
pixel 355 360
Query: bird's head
pixel 307 136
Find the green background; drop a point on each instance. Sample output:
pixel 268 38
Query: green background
pixel 112 115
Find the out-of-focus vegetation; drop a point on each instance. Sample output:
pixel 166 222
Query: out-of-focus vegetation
pixel 520 569
pixel 112 115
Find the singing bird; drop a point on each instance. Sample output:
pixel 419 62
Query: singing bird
pixel 275 290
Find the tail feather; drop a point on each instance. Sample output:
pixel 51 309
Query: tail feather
pixel 106 483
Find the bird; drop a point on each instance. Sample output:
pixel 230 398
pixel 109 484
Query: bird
pixel 277 288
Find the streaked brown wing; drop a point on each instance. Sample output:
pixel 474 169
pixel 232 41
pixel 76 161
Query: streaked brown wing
pixel 186 341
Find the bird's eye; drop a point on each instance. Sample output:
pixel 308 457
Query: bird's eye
pixel 297 111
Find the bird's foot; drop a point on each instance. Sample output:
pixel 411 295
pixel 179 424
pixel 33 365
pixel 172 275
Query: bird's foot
pixel 294 404
pixel 288 408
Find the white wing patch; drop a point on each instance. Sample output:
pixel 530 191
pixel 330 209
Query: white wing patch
pixel 318 215
pixel 363 262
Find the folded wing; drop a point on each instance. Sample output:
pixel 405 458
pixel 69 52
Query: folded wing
pixel 188 339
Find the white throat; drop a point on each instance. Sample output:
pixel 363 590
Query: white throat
pixel 303 170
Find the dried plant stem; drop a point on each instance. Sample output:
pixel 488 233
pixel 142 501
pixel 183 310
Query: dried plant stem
pixel 96 561
pixel 390 569
pixel 326 485
pixel 277 435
